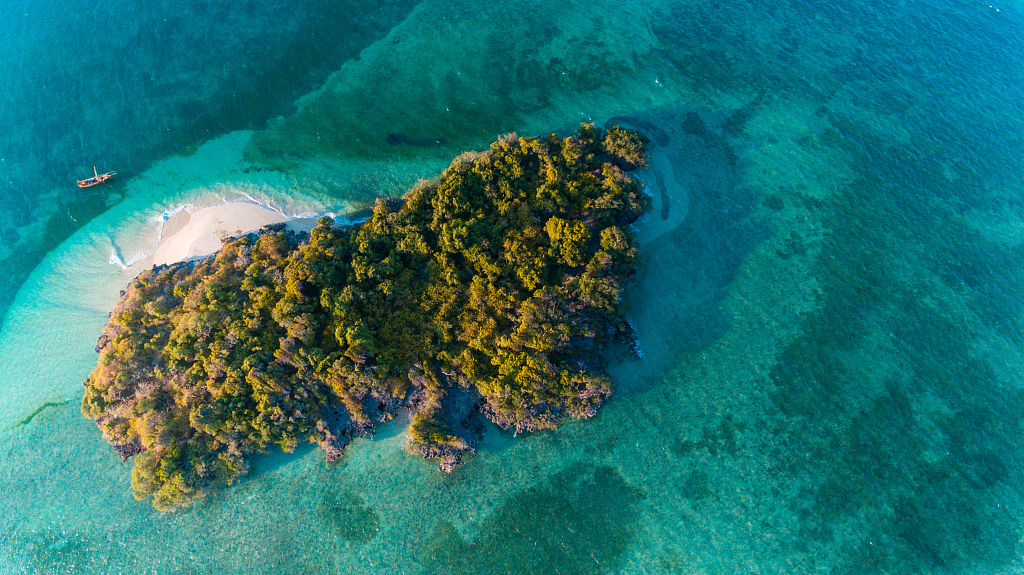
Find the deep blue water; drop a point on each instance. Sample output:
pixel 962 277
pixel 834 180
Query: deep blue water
pixel 829 299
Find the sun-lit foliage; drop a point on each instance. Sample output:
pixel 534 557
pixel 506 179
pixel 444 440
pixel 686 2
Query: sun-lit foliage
pixel 492 289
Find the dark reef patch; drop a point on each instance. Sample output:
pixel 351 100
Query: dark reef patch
pixel 714 440
pixel 694 125
pixel 28 419
pixel 348 516
pixel 581 522
pixel 927 455
pixel 695 486
pixel 737 121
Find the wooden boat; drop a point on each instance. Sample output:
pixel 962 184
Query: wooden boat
pixel 96 179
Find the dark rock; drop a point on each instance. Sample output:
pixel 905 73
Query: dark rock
pixel 126 450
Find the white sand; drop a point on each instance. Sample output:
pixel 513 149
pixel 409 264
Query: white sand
pixel 177 209
pixel 183 206
pixel 189 235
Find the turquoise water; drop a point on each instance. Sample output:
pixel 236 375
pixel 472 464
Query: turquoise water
pixel 829 300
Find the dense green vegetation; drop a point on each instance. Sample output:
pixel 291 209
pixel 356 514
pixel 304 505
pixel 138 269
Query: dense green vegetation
pixel 493 288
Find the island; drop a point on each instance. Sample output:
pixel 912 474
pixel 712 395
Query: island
pixel 491 291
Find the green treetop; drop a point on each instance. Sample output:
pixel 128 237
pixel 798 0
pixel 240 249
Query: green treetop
pixel 492 289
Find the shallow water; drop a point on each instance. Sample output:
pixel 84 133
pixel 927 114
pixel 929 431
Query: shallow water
pixel 828 300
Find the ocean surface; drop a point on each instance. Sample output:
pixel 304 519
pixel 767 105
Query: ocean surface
pixel 829 300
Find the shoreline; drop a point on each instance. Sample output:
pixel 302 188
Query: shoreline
pixel 187 235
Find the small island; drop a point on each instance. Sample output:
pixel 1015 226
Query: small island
pixel 491 291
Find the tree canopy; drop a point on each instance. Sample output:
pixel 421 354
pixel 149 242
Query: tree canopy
pixel 492 289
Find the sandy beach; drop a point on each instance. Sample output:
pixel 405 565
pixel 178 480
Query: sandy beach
pixel 188 235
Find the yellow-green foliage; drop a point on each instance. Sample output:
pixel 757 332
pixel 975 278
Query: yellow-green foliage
pixel 505 273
